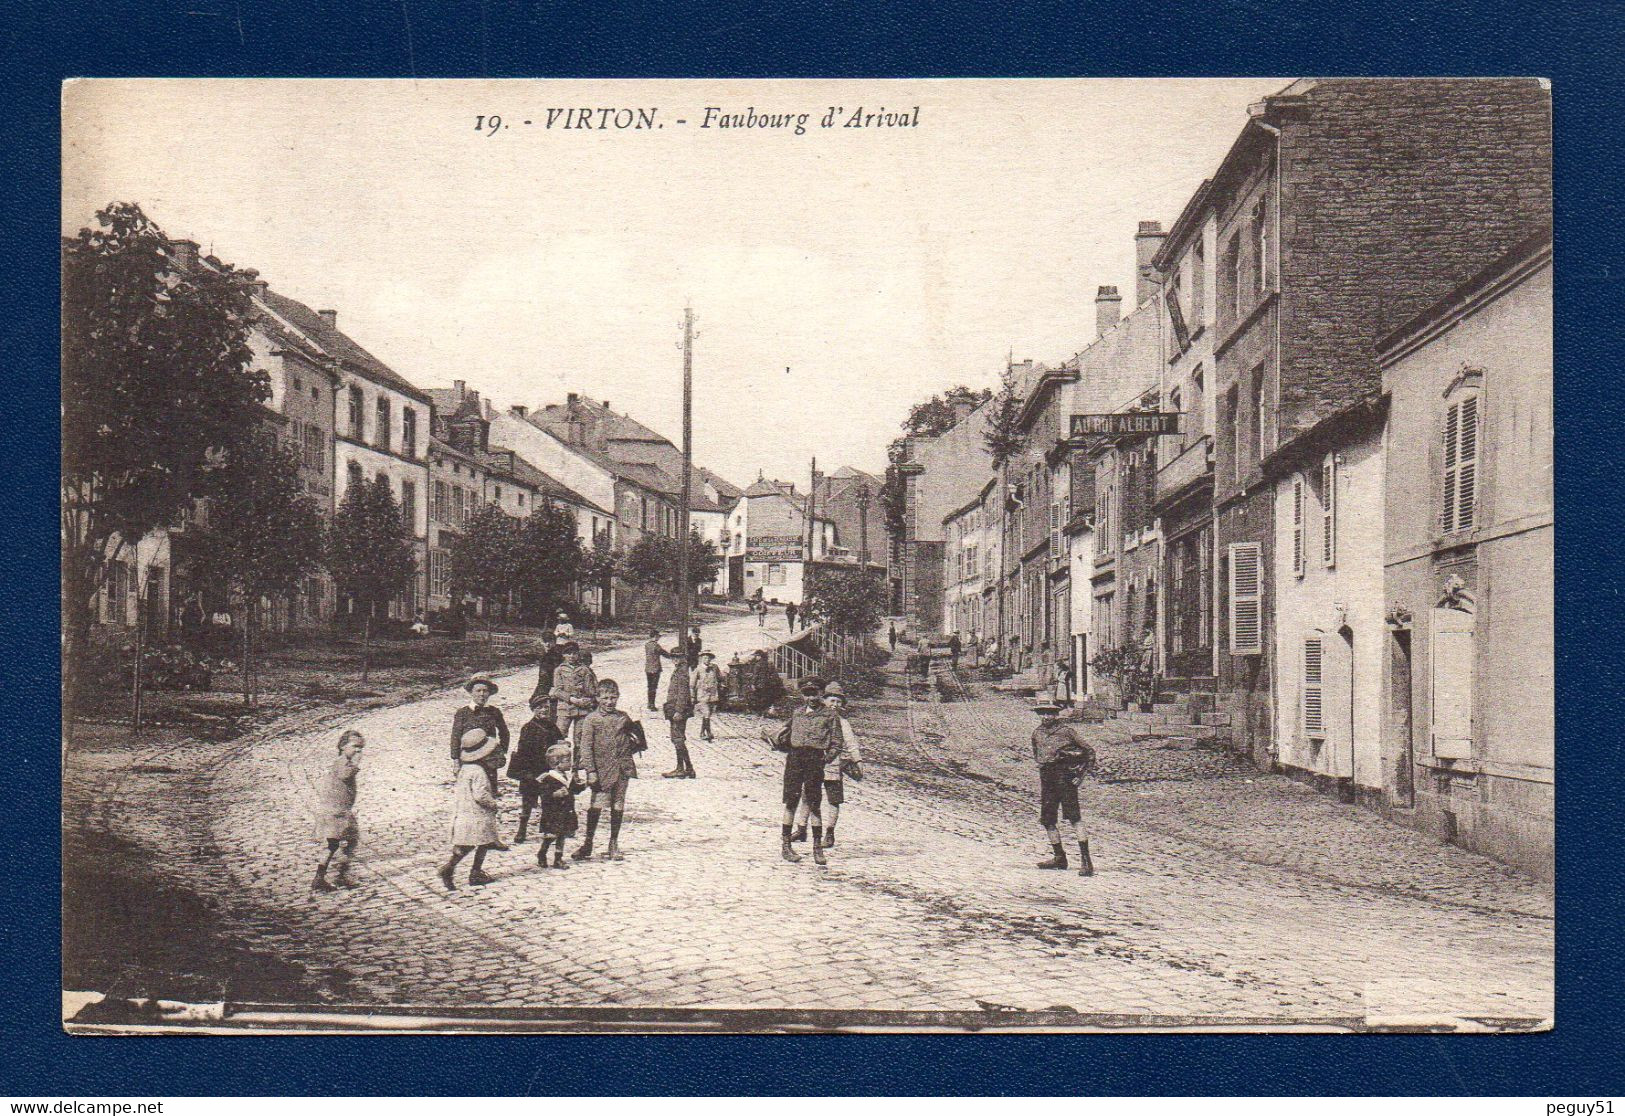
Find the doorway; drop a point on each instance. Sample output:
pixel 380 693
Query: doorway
pixel 1401 728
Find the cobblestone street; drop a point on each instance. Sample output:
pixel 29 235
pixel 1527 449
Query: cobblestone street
pixel 1220 892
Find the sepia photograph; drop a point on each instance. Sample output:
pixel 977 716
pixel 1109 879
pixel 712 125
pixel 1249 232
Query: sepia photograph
pixel 721 556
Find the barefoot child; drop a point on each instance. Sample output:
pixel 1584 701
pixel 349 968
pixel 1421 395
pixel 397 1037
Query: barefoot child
pixel 558 800
pixel 474 813
pixel 335 813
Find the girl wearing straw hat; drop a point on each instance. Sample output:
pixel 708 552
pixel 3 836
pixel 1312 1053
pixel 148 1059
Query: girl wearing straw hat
pixel 474 806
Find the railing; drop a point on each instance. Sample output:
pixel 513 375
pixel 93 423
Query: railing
pixel 835 652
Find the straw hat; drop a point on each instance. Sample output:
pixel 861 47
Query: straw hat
pixel 480 679
pixel 476 745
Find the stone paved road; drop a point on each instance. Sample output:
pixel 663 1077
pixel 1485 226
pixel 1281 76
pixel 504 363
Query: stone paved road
pixel 1225 895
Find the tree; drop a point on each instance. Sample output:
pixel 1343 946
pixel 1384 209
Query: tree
pixel 264 533
pixel 851 601
pixel 551 559
pixel 1003 436
pixel 156 373
pixel 938 414
pixel 653 559
pixel 601 564
pixel 487 559
pixel 369 553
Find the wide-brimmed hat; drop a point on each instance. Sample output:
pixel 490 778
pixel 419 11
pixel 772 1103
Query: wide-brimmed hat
pixel 480 679
pixel 812 686
pixel 708 654
pixel 476 744
pixel 834 690
pixel 1046 707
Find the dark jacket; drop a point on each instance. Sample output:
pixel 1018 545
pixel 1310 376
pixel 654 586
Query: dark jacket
pixel 530 756
pixel 487 717
pixel 545 666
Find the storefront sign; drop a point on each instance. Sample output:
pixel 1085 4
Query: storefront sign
pixel 774 548
pixel 1126 423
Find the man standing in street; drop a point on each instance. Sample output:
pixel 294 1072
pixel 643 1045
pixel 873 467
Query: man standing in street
pixel 653 664
pixel 812 733
pixel 954 647
pixel 891 635
pixel 706 685
pixel 1063 759
pixel 790 615
pixel 679 707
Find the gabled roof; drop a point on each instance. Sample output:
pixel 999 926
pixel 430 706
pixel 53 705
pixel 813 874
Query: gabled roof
pixel 727 489
pixel 523 472
pixel 338 345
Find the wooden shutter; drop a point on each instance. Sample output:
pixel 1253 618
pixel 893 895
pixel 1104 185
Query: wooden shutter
pixel 1054 530
pixel 1297 524
pixel 1246 604
pixel 1451 657
pixel 1459 508
pixel 1328 511
pixel 1313 696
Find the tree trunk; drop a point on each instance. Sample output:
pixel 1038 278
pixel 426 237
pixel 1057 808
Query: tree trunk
pixel 366 645
pixel 140 655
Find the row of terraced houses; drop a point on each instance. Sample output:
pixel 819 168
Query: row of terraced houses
pixel 1343 541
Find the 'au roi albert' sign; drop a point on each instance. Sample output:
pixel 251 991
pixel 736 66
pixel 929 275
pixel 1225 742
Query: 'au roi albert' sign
pixel 1126 423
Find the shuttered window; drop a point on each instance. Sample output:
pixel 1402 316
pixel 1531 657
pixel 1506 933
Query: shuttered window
pixel 1459 507
pixel 1297 524
pixel 1452 703
pixel 1246 605
pixel 1314 689
pixel 1328 511
pixel 1054 530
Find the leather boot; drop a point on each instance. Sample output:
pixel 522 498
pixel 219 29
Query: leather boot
pixel 320 882
pixel 519 838
pixel 818 847
pixel 1088 866
pixel 787 852
pixel 445 872
pixel 800 834
pixel 342 877
pixel 1056 861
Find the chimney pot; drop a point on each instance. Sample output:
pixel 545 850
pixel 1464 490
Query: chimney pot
pixel 1108 309
pixel 330 317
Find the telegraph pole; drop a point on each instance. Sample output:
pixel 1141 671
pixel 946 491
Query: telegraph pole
pixel 683 586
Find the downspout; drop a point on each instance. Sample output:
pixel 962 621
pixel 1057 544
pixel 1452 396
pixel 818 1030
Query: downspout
pixel 1275 219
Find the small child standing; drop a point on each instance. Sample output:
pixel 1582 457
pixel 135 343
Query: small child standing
pixel 557 793
pixel 529 763
pixel 474 807
pixel 335 813
pixel 604 742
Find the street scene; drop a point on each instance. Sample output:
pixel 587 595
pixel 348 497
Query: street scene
pixel 573 628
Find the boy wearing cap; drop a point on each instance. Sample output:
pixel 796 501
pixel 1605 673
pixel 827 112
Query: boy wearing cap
pixel 707 687
pixel 335 813
pixel 845 756
pixel 604 748
pixel 474 806
pixel 1063 758
pixel 529 763
pixel 813 731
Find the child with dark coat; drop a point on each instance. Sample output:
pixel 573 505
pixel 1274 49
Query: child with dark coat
pixel 529 764
pixel 558 790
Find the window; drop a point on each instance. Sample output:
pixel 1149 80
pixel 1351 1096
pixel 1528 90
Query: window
pixel 1260 414
pixel 118 588
pixel 409 432
pixel 496 493
pixel 1198 309
pixel 1204 587
pixel 1246 599
pixel 520 496
pixel 1328 511
pixel 1297 524
pixel 440 499
pixel 298 384
pixel 1261 245
pixel 381 434
pixel 313 598
pixel 1312 699
pixel 1452 662
pixel 775 573
pixel 459 514
pixel 437 573
pixel 1459 510
pixel 354 473
pixel 315 393
pixel 315 455
pixel 357 403
pixel 1054 528
pixel 409 505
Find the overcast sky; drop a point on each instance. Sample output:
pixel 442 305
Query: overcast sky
pixel 836 276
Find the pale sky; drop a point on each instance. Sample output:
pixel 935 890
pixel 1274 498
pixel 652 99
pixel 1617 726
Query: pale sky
pixel 877 265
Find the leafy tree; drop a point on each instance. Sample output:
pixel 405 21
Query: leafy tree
pixel 1003 436
pixel 601 564
pixel 938 415
pixel 155 374
pixel 369 553
pixel 488 558
pixel 847 600
pixel 894 502
pixel 653 559
pixel 264 534
pixel 552 561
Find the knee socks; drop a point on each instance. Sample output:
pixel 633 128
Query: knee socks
pixel 614 826
pixel 592 826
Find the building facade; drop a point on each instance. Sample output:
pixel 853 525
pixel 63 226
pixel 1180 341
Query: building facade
pixel 1468 654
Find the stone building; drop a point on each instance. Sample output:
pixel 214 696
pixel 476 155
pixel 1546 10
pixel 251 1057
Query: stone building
pixel 1342 208
pixel 970 565
pixel 771 542
pixel 1467 740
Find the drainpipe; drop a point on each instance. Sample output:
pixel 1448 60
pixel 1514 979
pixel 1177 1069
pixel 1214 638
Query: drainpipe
pixel 1275 219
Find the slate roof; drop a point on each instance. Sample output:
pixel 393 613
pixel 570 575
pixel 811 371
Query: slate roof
pixel 337 344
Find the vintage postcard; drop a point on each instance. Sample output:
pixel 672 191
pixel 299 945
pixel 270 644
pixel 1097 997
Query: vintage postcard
pixel 807 555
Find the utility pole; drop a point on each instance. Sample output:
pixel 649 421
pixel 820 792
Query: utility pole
pixel 812 529
pixel 864 496
pixel 683 586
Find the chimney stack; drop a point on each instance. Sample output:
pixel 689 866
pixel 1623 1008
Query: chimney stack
pixel 1146 243
pixel 460 387
pixel 518 410
pixel 606 404
pixel 1108 309
pixel 571 399
pixel 184 252
pixel 330 317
